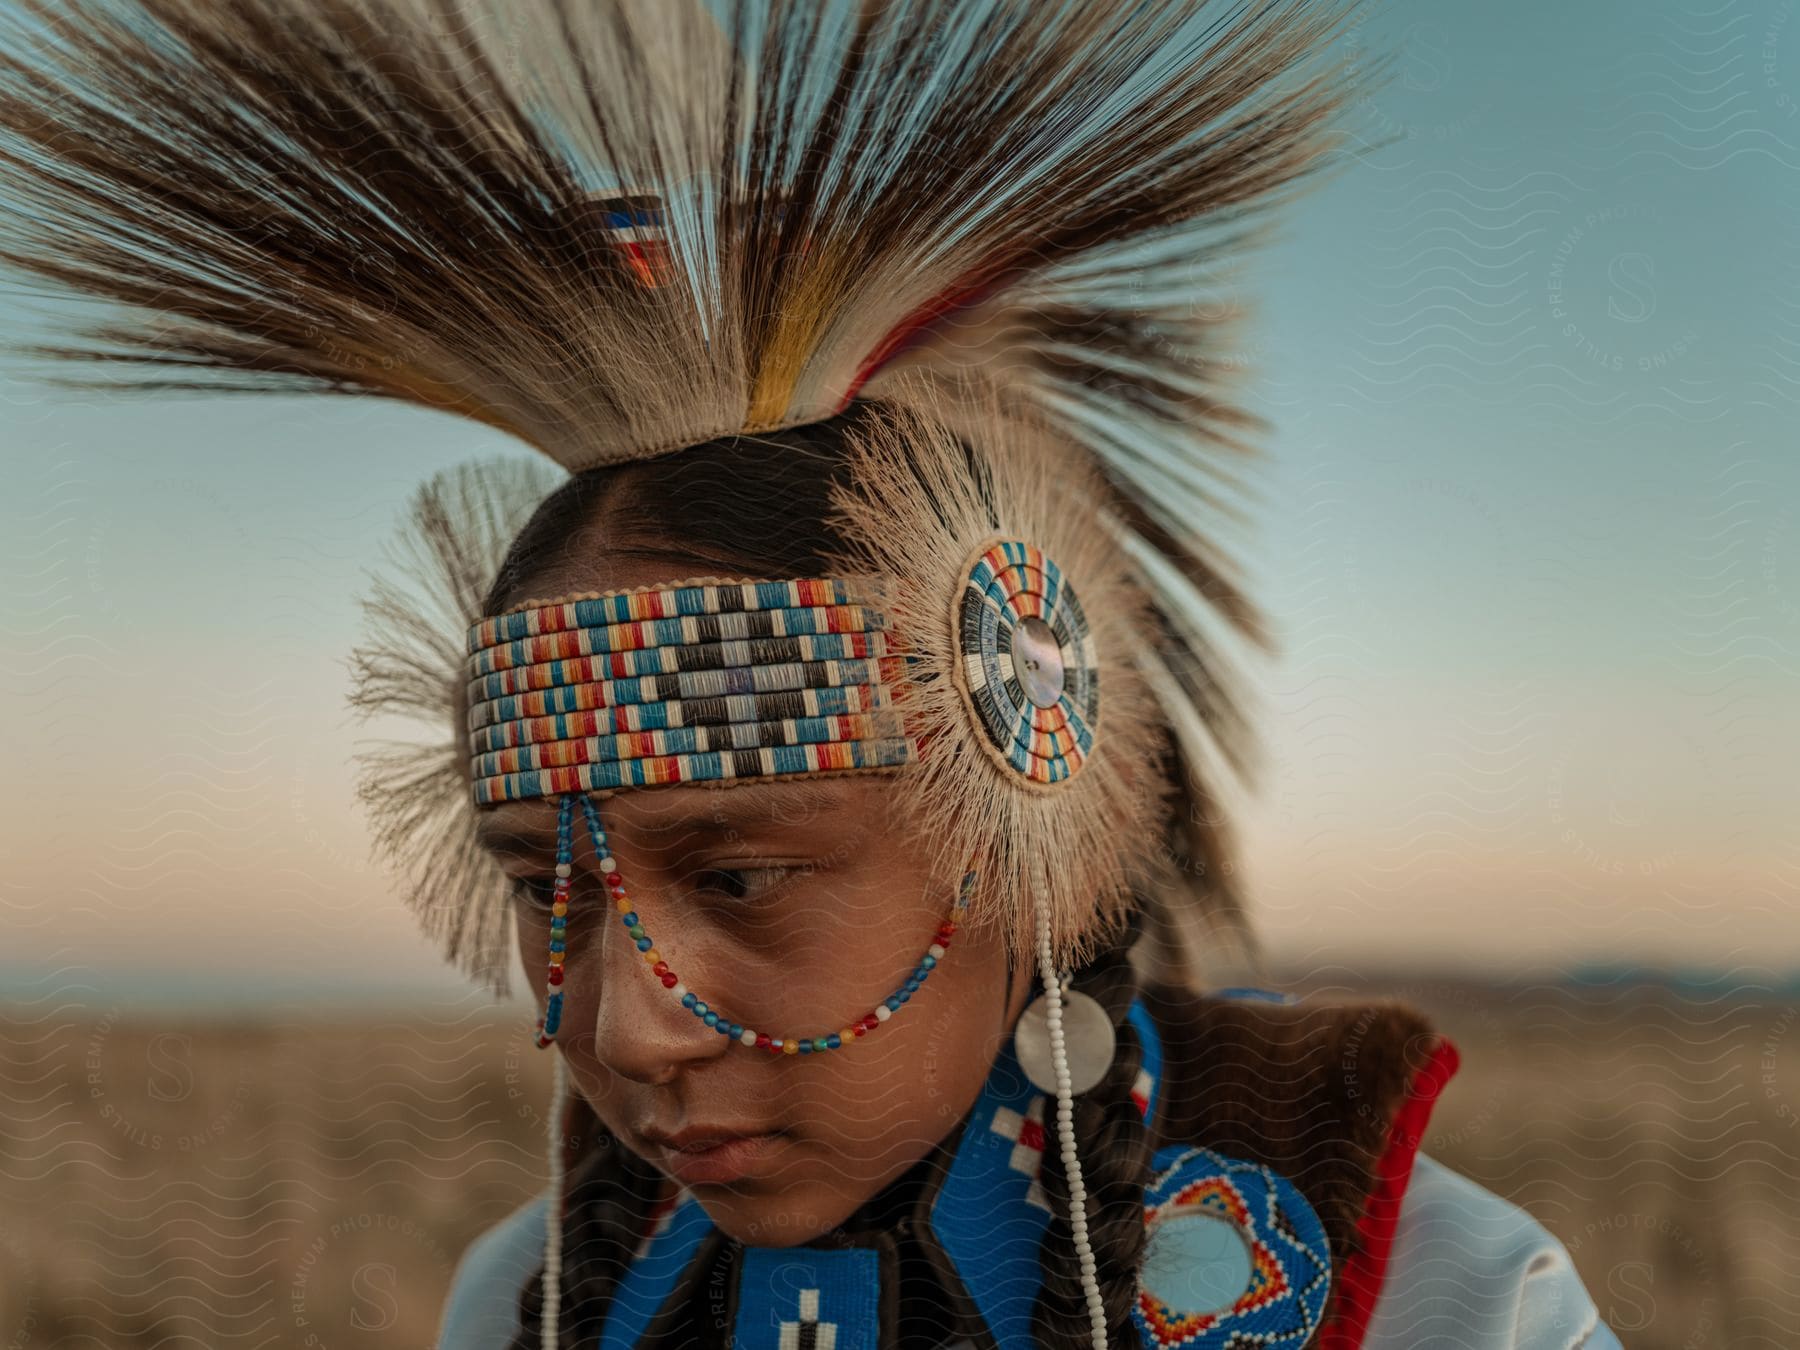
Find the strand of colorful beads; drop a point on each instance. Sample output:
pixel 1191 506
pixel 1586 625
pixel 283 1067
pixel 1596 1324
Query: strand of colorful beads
pixel 778 1045
pixel 559 919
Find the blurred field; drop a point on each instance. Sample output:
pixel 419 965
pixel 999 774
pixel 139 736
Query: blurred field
pixel 311 1185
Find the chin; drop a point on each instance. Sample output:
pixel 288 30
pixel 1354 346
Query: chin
pixel 786 1217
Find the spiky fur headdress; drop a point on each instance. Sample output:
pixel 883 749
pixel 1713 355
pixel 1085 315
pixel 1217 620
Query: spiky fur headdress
pixel 618 229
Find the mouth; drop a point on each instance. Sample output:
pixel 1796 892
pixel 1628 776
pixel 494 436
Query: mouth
pixel 698 1157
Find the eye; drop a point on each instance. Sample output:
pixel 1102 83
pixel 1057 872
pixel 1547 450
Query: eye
pixel 538 892
pixel 740 883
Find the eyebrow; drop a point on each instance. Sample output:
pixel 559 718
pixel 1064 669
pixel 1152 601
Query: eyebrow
pixel 528 829
pixel 523 834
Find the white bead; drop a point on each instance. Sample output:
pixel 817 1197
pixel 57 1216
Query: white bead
pixel 883 1012
pixel 747 1036
pixel 608 865
pixel 563 870
pixel 679 990
pixel 936 951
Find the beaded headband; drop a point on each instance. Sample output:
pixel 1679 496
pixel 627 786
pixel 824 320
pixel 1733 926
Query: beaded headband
pixel 697 682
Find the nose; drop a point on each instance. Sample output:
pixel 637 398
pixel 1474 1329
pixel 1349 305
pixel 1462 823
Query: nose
pixel 641 1030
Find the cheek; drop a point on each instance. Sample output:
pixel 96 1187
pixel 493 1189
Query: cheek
pixel 893 1095
pixel 579 990
pixel 863 1115
pixel 534 951
pixel 815 956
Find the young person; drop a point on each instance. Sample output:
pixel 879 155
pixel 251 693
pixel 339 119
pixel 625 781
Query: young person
pixel 842 739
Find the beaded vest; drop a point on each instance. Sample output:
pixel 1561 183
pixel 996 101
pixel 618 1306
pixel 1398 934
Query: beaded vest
pixel 1294 1124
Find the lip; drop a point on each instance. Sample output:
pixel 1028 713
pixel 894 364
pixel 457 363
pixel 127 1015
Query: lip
pixel 711 1157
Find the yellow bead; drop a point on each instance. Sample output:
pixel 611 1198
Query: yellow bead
pixel 790 1047
pixel 624 906
pixel 556 958
pixel 848 1034
pixel 651 957
pixel 559 909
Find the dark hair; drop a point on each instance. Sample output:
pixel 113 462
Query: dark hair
pixel 760 505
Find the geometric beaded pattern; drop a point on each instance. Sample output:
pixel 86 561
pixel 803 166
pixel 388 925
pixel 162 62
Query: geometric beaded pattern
pixel 1026 1132
pixel 694 683
pixel 633 225
pixel 1009 583
pixel 1290 1258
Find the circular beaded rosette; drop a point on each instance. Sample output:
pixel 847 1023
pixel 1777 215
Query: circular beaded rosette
pixel 1027 661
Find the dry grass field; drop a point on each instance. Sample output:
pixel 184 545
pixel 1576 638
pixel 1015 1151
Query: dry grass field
pixel 311 1184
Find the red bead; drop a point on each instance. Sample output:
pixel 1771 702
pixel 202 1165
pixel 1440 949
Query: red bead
pixel 762 1040
pixel 661 967
pixel 556 975
pixel 668 979
pixel 860 1029
pixel 871 1021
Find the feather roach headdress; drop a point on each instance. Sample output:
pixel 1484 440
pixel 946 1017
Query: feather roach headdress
pixel 615 230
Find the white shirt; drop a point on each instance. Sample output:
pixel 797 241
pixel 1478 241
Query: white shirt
pixel 1471 1271
pixel 1468 1271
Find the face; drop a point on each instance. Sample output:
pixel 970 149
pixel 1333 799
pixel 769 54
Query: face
pixel 793 908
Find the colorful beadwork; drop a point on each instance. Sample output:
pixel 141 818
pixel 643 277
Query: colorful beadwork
pixel 614 882
pixel 1028 662
pixel 691 683
pixel 634 225
pixel 1288 1257
pixel 630 609
pixel 559 921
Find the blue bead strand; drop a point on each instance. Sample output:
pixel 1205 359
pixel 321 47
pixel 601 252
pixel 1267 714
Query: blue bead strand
pixel 565 858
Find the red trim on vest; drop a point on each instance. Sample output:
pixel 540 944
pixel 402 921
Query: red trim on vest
pixel 1360 1284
